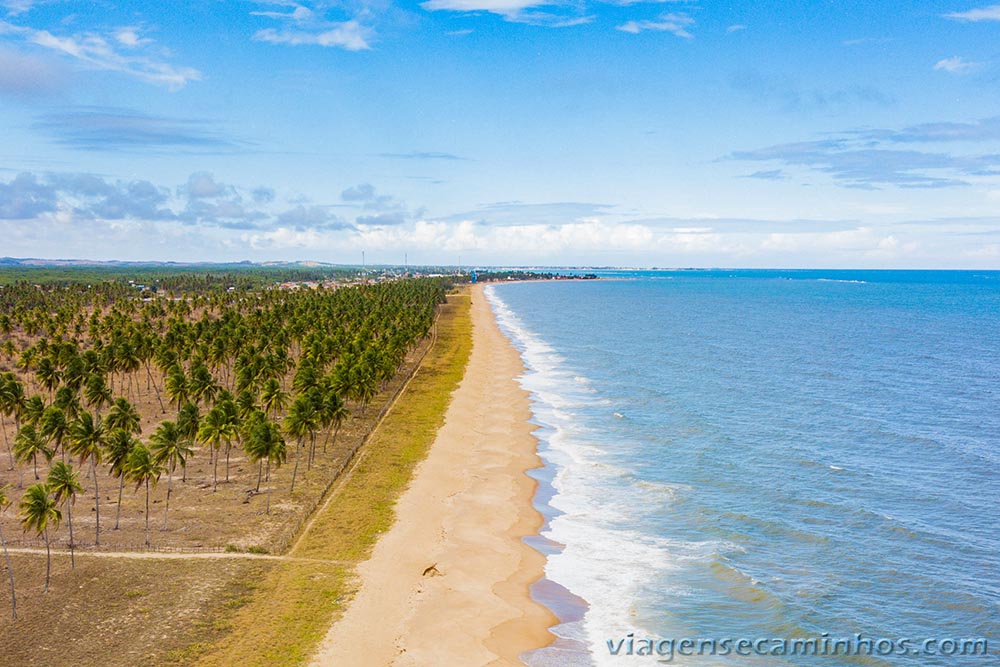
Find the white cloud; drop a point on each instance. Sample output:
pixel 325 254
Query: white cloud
pixel 14 7
pixel 99 51
pixel 736 28
pixel 128 36
pixel 309 26
pixel 349 35
pixel 991 13
pixel 518 11
pixel 955 65
pixel 503 7
pixel 675 24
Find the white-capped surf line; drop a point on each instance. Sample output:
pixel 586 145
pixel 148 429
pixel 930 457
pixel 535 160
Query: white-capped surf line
pixel 603 561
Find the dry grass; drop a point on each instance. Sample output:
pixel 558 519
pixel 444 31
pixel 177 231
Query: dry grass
pixel 121 612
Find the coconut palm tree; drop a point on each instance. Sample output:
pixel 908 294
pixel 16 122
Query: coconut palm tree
pixel 38 512
pixel 6 410
pixel 67 400
pixel 202 385
pixel 97 393
pixel 273 398
pixel 47 374
pixel 4 503
pixel 28 444
pixel 331 409
pixel 213 430
pixel 124 416
pixel 64 483
pixel 118 446
pixel 34 408
pixel 266 444
pixel 177 386
pixel 143 469
pixel 187 426
pixel 169 448
pixel 55 427
pixel 300 422
pixel 87 442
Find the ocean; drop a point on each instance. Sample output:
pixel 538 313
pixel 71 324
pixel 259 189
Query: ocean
pixel 765 456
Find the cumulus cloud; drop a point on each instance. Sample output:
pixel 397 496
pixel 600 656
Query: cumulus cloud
pixel 303 218
pixel 364 192
pixel 202 184
pixel 87 215
pixel 366 196
pixel 262 194
pixel 390 218
pixel 24 198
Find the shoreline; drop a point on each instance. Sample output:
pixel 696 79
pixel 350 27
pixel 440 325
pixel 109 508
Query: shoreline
pixel 450 581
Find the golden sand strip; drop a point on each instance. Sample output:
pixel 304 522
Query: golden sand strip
pixel 448 584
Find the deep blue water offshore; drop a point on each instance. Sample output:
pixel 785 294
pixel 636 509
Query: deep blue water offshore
pixel 765 454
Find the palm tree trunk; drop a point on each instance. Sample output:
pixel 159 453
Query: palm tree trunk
pixel 10 573
pixel 149 377
pixel 295 470
pixel 166 508
pixel 97 505
pixel 48 560
pixel 118 510
pixel 72 557
pixel 260 471
pixel 269 487
pixel 228 447
pixel 215 474
pixel 10 452
pixel 147 511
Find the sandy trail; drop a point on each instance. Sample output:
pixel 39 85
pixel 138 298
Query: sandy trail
pixel 448 584
pixel 173 555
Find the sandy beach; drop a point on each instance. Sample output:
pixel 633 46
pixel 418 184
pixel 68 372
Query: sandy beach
pixel 448 584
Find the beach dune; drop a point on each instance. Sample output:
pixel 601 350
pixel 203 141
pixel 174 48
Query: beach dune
pixel 448 584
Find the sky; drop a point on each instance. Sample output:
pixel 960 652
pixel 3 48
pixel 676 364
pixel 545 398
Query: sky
pixel 666 133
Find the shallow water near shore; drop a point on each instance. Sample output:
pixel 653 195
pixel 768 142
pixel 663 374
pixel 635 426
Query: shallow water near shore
pixel 765 454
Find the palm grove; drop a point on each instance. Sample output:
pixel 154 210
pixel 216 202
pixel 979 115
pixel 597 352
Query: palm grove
pixel 268 375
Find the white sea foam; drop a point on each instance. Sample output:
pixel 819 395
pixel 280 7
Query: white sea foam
pixel 604 561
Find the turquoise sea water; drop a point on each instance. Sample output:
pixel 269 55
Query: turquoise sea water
pixel 766 455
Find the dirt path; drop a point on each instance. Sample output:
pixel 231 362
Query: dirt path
pixel 175 555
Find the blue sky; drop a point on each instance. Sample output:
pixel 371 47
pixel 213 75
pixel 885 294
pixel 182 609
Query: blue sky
pixel 814 134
